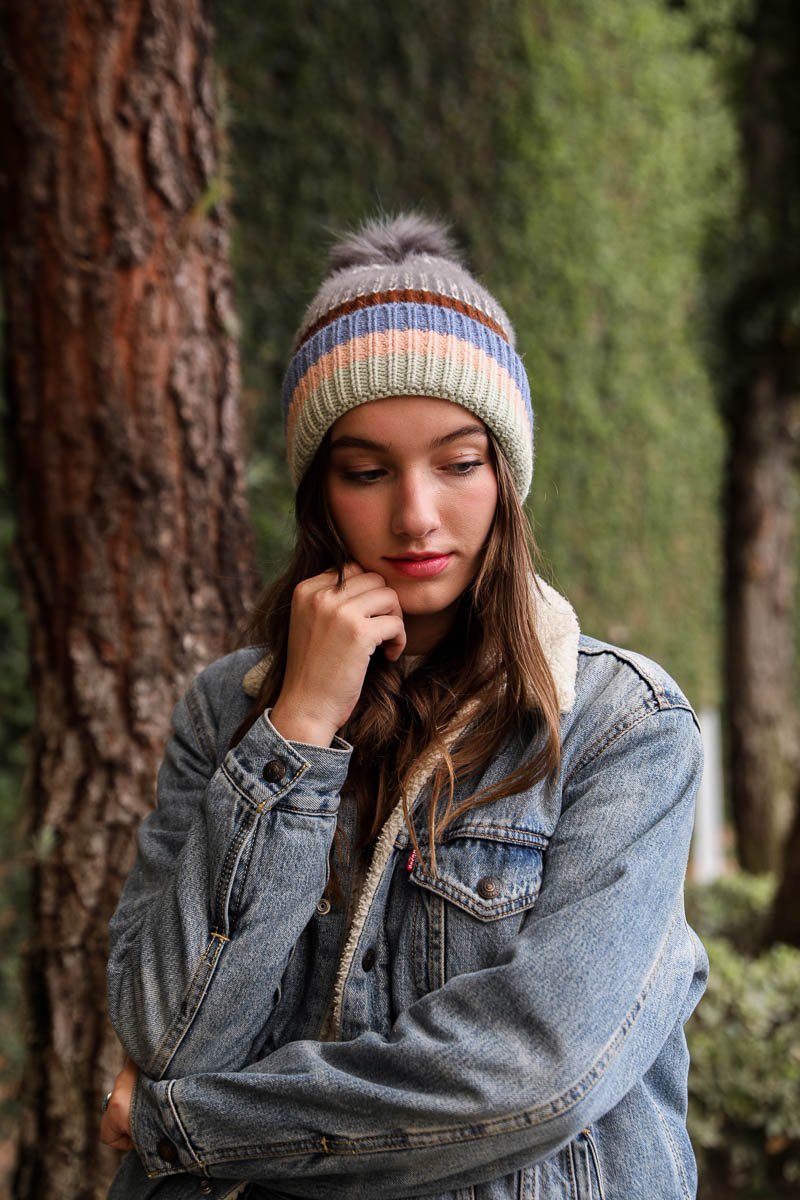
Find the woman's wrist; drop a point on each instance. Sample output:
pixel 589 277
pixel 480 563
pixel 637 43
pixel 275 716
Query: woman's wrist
pixel 296 726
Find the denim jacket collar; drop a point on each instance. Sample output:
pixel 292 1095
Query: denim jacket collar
pixel 556 625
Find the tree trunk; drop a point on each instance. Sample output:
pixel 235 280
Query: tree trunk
pixel 760 589
pixel 784 923
pixel 764 420
pixel 135 552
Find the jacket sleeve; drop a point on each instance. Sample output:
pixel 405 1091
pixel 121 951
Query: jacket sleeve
pixel 241 847
pixel 498 1068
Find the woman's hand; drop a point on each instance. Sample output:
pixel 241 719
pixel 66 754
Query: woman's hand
pixel 333 632
pixel 115 1128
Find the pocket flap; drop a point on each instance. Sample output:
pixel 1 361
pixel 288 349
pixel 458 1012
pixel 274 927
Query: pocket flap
pixel 488 871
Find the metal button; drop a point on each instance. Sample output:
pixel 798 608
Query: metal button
pixel 206 1187
pixel 489 887
pixel 324 906
pixel 168 1150
pixel 368 961
pixel 274 770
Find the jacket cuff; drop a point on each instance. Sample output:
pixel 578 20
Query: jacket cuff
pixel 265 767
pixel 158 1135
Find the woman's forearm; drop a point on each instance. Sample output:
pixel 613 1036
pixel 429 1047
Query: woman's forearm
pixel 231 865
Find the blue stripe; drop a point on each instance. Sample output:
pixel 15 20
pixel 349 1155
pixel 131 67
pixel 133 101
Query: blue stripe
pixel 380 318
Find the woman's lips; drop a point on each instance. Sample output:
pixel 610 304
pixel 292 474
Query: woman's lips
pixel 420 568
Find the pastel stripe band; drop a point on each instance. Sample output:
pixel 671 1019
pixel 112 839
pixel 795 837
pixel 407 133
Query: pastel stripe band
pixel 407 348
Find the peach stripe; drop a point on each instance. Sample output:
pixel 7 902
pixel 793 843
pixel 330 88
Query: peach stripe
pixel 402 342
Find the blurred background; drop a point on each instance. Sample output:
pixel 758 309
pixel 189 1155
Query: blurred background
pixel 625 177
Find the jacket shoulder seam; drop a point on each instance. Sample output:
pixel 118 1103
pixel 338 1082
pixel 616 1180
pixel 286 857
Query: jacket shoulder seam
pixel 636 663
pixel 613 734
pixel 201 733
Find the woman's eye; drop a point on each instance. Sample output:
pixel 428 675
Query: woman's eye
pixel 363 476
pixel 464 468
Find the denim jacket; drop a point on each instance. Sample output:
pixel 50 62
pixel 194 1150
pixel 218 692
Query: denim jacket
pixel 511 1026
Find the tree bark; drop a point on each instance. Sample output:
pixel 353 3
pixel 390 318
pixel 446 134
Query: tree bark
pixel 763 415
pixel 760 589
pixel 134 546
pixel 784 922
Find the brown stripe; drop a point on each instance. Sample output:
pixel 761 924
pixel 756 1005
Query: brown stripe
pixel 404 296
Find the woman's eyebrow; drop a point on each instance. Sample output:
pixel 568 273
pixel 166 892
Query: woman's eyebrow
pixel 456 434
pixel 346 442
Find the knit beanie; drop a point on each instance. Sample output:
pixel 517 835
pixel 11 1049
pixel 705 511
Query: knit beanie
pixel 399 315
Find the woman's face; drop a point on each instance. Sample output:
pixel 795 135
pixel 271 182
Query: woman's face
pixel 413 492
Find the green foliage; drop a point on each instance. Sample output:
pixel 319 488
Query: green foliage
pixel 735 907
pixel 583 154
pixel 744 1038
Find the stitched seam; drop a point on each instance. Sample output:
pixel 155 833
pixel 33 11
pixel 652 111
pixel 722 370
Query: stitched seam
pixel 675 1155
pixel 419 983
pixel 303 811
pixel 261 806
pixel 463 899
pixel 201 733
pixel 573 1184
pixel 178 1027
pixel 618 732
pixel 656 688
pixel 442 943
pixel 498 833
pixel 177 1031
pixel 179 1123
pixel 228 868
pixel 665 701
pixel 247 858
pixel 596 1160
pixel 609 736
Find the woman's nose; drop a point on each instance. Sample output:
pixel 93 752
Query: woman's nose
pixel 415 510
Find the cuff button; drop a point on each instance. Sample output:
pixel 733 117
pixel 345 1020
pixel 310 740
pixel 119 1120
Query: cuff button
pixel 274 770
pixel 168 1150
pixel 206 1187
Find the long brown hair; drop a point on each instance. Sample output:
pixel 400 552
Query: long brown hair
pixel 491 662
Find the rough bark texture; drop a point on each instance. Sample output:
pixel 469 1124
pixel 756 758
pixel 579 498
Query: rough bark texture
pixel 784 924
pixel 764 422
pixel 135 552
pixel 761 581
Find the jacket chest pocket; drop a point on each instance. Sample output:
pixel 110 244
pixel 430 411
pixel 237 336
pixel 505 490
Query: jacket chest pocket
pixel 486 879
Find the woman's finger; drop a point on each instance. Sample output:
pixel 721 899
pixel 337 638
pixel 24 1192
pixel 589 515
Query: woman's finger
pixel 389 631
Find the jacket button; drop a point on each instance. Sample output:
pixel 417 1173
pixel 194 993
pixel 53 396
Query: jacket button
pixel 324 906
pixel 368 961
pixel 489 887
pixel 206 1187
pixel 274 770
pixel 168 1150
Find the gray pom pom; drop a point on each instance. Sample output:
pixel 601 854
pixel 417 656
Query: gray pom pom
pixel 386 240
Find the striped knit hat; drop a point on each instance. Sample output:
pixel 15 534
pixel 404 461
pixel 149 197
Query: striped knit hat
pixel 399 315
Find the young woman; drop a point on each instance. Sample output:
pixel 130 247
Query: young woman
pixel 407 919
